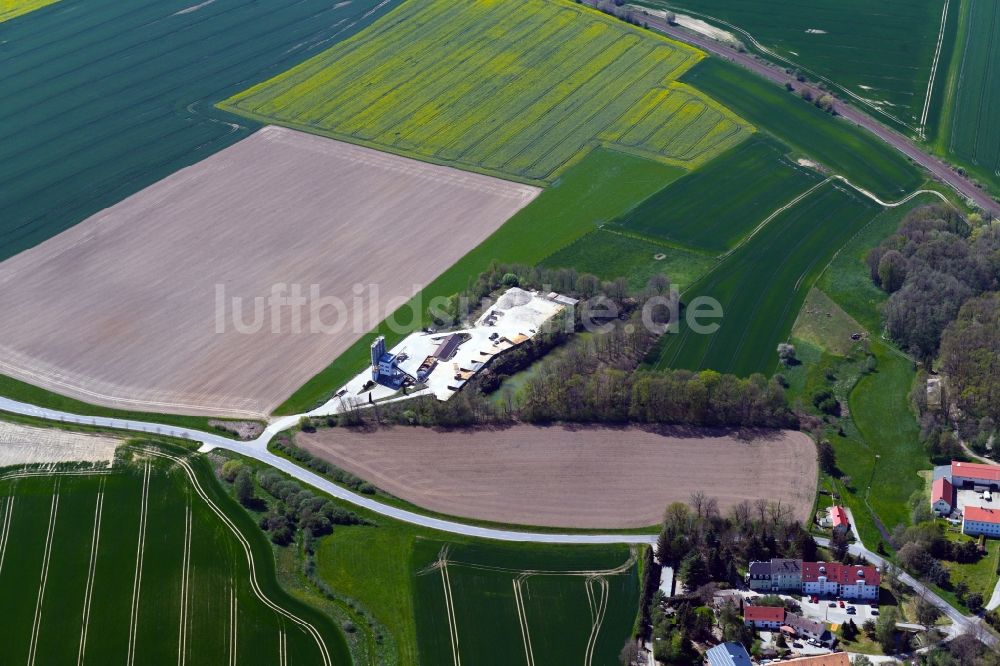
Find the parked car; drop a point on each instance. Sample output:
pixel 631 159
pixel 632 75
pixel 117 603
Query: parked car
pixel 815 599
pixel 833 604
pixel 797 645
pixel 874 611
pixel 851 610
pixel 841 602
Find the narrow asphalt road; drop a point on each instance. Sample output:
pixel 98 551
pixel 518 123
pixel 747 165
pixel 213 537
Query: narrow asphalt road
pixel 964 624
pixel 776 74
pixel 257 449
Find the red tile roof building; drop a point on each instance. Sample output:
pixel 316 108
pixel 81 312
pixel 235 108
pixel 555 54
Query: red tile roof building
pixel 838 516
pixel 764 617
pixel 856 581
pixel 851 581
pixel 978 520
pixel 974 474
pixel 942 496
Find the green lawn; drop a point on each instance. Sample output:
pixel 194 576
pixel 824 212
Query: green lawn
pixel 832 142
pixel 144 602
pixel 599 188
pixel 518 90
pixel 715 207
pixel 762 285
pixel 980 576
pixel 609 255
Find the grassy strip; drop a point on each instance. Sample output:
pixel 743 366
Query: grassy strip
pixel 15 389
pixel 833 142
pixel 599 188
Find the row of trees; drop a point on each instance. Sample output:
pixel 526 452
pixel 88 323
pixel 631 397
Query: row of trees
pixel 579 387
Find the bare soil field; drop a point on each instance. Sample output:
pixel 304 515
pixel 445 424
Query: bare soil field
pixel 25 445
pixel 136 307
pixel 573 477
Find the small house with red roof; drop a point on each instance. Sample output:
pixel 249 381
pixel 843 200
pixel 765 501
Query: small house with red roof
pixel 942 496
pixel 764 617
pixel 978 520
pixel 839 520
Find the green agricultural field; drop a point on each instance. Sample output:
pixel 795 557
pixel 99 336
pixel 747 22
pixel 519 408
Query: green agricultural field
pixel 882 54
pixel 596 190
pixel 13 8
pixel 610 254
pixel 147 563
pixel 761 286
pixel 972 128
pixel 516 89
pixel 102 98
pixel 845 149
pixel 715 207
pixel 500 605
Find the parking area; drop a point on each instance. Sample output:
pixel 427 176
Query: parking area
pixel 830 611
pixel 964 498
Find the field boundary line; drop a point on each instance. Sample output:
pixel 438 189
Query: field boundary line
pixel 44 578
pixel 934 67
pixel 5 532
pixel 140 549
pixel 252 563
pixel 88 593
pixel 185 581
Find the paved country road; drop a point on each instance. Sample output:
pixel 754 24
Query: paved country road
pixel 962 624
pixel 965 187
pixel 257 449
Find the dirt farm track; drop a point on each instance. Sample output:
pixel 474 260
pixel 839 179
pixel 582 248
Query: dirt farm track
pixel 572 477
pixel 134 307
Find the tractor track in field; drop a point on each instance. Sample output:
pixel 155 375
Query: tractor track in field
pixel 88 594
pixel 46 560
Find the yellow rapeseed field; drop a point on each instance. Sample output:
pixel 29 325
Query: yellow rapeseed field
pixel 13 8
pixel 507 87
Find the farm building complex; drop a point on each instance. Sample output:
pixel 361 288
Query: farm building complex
pixel 815 578
pixel 965 490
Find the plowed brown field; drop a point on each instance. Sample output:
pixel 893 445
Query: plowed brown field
pixel 122 309
pixel 573 477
